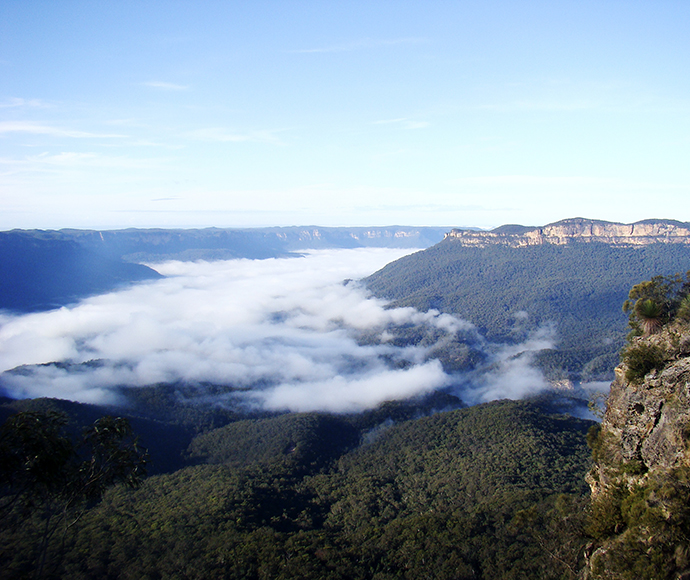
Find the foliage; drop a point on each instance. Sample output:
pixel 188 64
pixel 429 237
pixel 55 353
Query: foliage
pixel 597 404
pixel 650 527
pixel 508 292
pixel 49 481
pixel 33 458
pixel 485 492
pixel 683 313
pixel 656 302
pixel 649 313
pixel 593 439
pixel 641 358
pixel 298 442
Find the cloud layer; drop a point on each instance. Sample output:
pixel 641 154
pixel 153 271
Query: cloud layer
pixel 284 334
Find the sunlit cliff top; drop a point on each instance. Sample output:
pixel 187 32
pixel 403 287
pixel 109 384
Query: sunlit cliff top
pixel 579 230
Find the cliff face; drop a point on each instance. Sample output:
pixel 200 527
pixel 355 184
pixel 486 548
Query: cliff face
pixel 578 230
pixel 640 481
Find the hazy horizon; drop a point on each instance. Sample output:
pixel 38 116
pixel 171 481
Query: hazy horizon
pixel 354 226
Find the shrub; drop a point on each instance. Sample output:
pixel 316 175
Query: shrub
pixel 605 518
pixel 683 313
pixel 641 359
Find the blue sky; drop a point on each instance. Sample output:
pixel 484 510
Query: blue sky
pixel 182 114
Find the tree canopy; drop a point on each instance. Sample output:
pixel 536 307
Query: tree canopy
pixel 48 480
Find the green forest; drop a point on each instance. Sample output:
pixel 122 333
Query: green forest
pixel 492 491
pixel 507 292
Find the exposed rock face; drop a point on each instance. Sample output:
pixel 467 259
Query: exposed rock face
pixel 641 453
pixel 646 420
pixel 580 230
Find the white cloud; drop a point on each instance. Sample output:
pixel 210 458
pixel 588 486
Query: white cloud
pixel 354 394
pixel 222 135
pixel 404 122
pixel 510 373
pixel 285 332
pixel 37 129
pixel 16 102
pixel 290 324
pixel 165 86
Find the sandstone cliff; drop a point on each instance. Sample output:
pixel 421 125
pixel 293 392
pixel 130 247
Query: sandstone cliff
pixel 578 230
pixel 640 482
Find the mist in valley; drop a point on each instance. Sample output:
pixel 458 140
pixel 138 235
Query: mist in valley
pixel 289 334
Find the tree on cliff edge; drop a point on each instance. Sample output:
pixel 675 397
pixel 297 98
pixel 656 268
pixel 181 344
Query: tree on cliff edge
pixel 653 303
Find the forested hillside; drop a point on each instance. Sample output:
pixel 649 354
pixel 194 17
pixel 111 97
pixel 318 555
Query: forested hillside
pixel 38 273
pixel 507 292
pixel 489 492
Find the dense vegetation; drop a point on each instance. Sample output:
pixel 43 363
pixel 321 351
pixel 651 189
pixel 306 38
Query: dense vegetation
pixel 506 292
pixel 652 305
pixel 485 492
pixel 48 481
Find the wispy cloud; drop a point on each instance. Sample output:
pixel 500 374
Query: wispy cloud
pixel 37 129
pixel 552 105
pixel 541 181
pixel 165 86
pixel 47 162
pixel 403 122
pixel 16 102
pixel 76 159
pixel 359 45
pixel 223 135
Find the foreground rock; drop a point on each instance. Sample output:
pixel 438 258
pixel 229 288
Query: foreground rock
pixel 640 482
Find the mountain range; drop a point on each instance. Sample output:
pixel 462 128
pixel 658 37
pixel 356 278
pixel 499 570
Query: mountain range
pixel 41 270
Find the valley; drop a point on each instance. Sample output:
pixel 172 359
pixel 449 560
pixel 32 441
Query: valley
pixel 431 475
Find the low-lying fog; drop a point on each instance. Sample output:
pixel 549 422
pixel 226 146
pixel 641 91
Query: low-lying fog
pixel 286 334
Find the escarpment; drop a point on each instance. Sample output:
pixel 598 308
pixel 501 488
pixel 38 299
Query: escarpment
pixel 640 481
pixel 578 230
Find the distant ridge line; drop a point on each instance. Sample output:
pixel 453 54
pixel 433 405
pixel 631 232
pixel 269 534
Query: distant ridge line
pixel 642 233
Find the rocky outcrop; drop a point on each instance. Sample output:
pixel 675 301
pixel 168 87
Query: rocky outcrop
pixel 578 230
pixel 639 481
pixel 645 421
